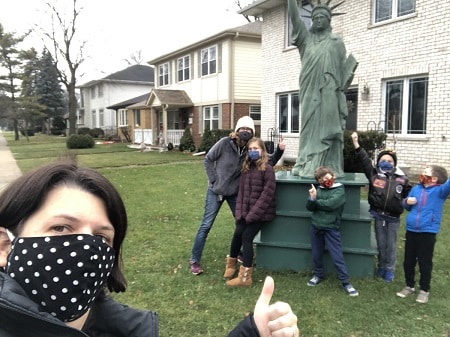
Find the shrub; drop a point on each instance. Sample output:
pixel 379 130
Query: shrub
pixel 186 141
pixel 58 122
pixel 29 132
pixel 211 137
pixel 80 142
pixel 83 131
pixel 96 132
pixel 368 140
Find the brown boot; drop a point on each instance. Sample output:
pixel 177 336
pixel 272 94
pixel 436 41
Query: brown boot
pixel 230 267
pixel 244 279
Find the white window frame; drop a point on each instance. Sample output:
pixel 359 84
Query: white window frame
pixel 405 107
pixel 163 74
pixel 137 117
pixel 94 118
pixel 290 114
pixel 184 68
pixel 304 15
pixel 211 114
pixel 254 112
pixel 394 13
pixel 101 117
pixel 208 60
pixel 122 117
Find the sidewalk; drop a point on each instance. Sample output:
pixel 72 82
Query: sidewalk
pixel 8 166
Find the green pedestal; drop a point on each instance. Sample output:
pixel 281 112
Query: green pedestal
pixel 284 243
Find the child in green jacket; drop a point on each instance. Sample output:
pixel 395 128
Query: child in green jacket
pixel 326 204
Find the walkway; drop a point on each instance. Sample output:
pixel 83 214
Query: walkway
pixel 8 166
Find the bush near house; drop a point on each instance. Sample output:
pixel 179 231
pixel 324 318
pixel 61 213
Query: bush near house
pixel 80 142
pixel 186 141
pixel 210 137
pixel 371 141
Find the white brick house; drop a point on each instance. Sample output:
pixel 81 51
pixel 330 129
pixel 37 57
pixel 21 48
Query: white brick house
pixel 404 65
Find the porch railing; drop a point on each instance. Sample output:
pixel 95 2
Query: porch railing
pixel 146 136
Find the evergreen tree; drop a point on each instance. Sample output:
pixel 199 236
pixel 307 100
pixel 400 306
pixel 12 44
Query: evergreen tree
pixel 30 110
pixel 10 60
pixel 49 91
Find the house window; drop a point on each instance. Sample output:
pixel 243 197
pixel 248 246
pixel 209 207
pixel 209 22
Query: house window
pixel 184 68
pixel 100 90
pixel 137 117
pixel 94 118
pixel 305 9
pixel 122 117
pixel 406 105
pixel 101 116
pixel 211 117
pixel 288 112
pixel 163 71
pixel 255 112
pixel 80 116
pixel 209 62
pixel 392 9
pixel 93 92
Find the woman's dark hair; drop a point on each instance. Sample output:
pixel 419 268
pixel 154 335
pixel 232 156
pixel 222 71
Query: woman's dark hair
pixel 26 195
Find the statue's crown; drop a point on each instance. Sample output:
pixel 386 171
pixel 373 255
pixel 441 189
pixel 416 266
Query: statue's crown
pixel 325 6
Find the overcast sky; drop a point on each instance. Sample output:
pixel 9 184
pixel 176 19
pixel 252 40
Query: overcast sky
pixel 115 29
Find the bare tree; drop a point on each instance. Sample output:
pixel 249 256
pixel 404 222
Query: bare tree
pixel 134 58
pixel 67 53
pixel 239 4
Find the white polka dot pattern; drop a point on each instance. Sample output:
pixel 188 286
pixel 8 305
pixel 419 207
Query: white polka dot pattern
pixel 64 274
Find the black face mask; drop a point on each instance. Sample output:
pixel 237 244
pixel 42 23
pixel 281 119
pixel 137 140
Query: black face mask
pixel 245 135
pixel 63 274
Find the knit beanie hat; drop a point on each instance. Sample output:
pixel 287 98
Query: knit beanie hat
pixel 388 152
pixel 246 122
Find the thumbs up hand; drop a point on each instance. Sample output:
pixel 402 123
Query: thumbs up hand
pixel 274 319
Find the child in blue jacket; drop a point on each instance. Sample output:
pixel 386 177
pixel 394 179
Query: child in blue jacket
pixel 425 204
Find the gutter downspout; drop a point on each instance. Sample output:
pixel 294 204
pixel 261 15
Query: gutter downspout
pixel 232 78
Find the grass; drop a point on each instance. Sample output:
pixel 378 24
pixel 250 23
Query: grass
pixel 164 194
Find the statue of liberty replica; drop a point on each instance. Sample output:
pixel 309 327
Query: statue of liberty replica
pixel 326 73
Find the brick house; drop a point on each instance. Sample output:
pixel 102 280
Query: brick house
pixel 401 84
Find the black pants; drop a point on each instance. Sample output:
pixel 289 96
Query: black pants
pixel 419 248
pixel 243 236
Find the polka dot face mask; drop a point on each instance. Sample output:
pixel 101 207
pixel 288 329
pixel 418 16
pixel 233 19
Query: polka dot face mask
pixel 63 274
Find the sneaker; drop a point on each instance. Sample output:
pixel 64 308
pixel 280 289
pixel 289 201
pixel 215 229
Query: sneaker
pixel 422 297
pixel 314 281
pixel 388 276
pixel 196 268
pixel 406 291
pixel 350 290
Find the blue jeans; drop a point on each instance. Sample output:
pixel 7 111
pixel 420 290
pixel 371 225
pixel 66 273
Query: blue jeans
pixel 332 239
pixel 212 208
pixel 386 235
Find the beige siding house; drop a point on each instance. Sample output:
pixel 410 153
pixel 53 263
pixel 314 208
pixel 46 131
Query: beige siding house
pixel 207 85
pixel 401 85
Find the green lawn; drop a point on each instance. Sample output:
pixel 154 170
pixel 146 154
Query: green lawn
pixel 164 194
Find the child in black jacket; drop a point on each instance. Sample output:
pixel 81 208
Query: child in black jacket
pixel 388 186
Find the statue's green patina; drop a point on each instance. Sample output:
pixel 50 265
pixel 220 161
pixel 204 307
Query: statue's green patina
pixel 326 73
